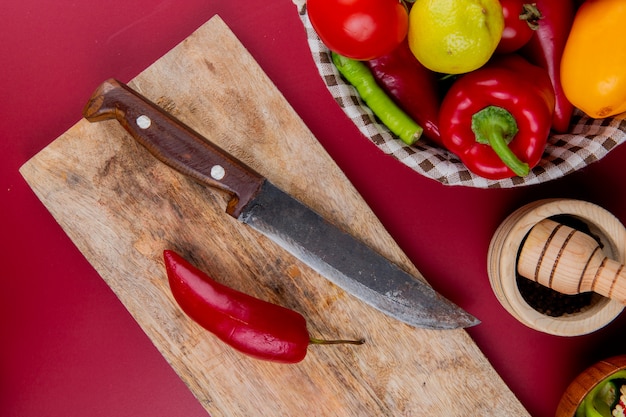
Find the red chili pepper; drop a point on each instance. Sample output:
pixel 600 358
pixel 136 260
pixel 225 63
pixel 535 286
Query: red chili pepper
pixel 412 86
pixel 497 119
pixel 252 326
pixel 545 49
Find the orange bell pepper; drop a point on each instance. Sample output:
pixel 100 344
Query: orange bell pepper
pixel 593 66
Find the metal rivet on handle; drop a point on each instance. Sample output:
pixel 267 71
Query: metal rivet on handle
pixel 143 122
pixel 218 172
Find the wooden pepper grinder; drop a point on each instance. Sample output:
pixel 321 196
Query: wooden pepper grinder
pixel 570 261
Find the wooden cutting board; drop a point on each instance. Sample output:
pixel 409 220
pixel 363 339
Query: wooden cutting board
pixel 122 208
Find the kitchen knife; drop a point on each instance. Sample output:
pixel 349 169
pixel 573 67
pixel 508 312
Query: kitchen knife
pixel 336 255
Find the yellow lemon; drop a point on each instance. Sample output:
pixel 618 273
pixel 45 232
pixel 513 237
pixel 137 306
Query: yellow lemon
pixel 455 36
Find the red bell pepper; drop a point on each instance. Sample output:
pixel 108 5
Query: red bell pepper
pixel 255 327
pixel 545 49
pixel 497 119
pixel 412 86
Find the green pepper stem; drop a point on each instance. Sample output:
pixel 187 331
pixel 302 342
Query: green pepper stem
pixel 314 341
pixel 531 14
pixel 497 127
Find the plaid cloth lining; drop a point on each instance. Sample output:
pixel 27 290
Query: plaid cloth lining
pixel 589 141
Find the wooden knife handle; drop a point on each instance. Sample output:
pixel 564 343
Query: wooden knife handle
pixel 174 143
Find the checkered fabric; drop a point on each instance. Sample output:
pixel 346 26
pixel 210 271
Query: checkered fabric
pixel 589 141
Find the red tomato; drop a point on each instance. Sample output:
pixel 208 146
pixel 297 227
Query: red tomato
pixel 519 17
pixel 359 29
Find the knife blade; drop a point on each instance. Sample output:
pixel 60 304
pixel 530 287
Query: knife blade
pixel 255 201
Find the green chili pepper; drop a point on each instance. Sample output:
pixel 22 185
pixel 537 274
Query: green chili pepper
pixel 392 116
pixel 602 399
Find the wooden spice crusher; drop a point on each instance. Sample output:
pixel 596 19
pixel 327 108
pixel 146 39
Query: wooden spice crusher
pixel 569 246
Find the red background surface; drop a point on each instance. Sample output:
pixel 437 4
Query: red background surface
pixel 69 348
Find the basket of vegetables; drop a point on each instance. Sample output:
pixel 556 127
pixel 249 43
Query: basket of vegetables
pixel 489 94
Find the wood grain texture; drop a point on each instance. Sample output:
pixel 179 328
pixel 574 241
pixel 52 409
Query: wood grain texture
pixel 570 261
pixel 122 208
